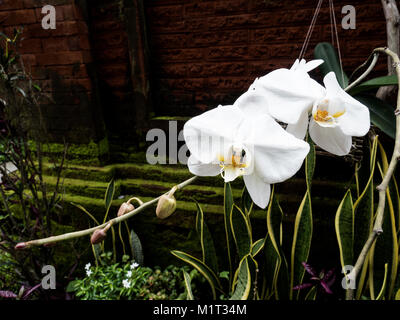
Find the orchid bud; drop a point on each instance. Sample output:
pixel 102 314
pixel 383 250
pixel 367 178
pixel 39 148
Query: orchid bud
pixel 165 206
pixel 125 208
pixel 98 236
pixel 21 245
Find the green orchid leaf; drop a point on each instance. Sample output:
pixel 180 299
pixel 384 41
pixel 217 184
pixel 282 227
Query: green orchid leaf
pixel 327 52
pixel 381 113
pixel 374 84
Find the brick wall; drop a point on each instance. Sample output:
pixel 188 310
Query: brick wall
pixel 59 61
pixel 204 53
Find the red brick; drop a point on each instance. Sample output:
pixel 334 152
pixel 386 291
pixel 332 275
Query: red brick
pixel 228 7
pixel 29 59
pixel 63 58
pixel 199 9
pixel 180 54
pixel 165 12
pixel 41 3
pixel 70 71
pixel 30 46
pixel 240 52
pixel 55 44
pixel 229 83
pixel 184 84
pixel 10 5
pixel 18 17
pixel 80 42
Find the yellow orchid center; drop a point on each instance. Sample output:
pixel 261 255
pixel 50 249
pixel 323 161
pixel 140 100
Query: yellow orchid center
pixel 322 115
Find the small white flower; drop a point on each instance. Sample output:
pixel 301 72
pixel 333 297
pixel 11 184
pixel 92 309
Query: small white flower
pixel 134 265
pixel 87 267
pixel 89 272
pixel 129 274
pixel 126 283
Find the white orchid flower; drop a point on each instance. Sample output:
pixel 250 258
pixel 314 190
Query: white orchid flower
pixel 291 95
pixel 284 90
pixel 224 141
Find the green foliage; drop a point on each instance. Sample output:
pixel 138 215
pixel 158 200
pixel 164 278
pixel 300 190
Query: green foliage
pixel 246 261
pixel 327 52
pixel 123 281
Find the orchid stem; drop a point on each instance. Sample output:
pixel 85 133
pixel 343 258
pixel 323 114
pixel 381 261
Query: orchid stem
pixel 377 230
pixel 82 233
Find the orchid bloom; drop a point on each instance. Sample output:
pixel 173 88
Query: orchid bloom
pixel 224 141
pixel 290 95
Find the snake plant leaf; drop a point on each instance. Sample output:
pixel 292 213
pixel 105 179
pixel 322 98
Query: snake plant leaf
pixel 364 208
pixel 381 294
pixel 108 197
pixel 310 162
pixel 344 226
pixel 397 297
pixel 241 231
pixel 228 205
pixel 381 113
pixel 245 279
pixel 188 286
pixel 327 52
pixel 86 212
pixel 257 247
pixel 276 269
pixel 302 235
pixel 247 203
pixel 312 294
pixel 206 241
pixel 374 83
pixel 204 270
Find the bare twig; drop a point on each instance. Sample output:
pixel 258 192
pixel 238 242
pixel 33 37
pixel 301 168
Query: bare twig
pixel 82 233
pixel 377 230
pixel 392 17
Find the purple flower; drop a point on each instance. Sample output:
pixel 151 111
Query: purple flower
pixel 322 280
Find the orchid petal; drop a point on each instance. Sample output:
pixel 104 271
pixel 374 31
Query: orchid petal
pixel 210 134
pixel 252 103
pixel 311 65
pixel 201 169
pixel 332 140
pixel 356 119
pixel 299 129
pixel 259 190
pixel 289 93
pixel 277 155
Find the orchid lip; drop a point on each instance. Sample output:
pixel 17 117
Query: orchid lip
pixel 323 117
pixel 237 162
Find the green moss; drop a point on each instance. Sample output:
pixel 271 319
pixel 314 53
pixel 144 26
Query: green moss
pixel 90 154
